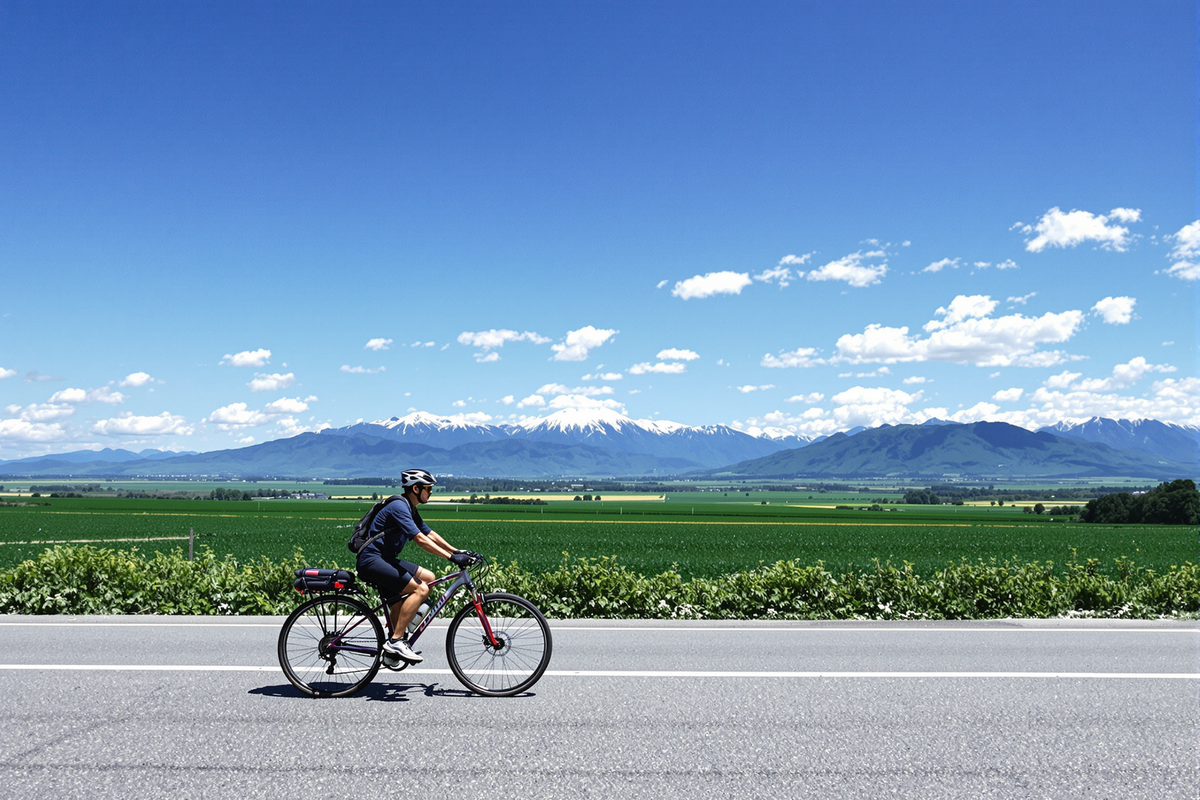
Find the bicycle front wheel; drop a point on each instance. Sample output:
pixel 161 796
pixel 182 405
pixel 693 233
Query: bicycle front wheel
pixel 330 646
pixel 511 658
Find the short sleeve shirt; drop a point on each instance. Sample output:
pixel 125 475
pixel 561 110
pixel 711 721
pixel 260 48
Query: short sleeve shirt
pixel 399 523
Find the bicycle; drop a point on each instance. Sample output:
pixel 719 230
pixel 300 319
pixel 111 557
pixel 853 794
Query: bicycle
pixel 498 644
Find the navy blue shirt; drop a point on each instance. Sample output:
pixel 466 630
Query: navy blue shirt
pixel 400 523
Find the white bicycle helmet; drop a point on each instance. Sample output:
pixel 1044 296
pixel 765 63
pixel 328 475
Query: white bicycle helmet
pixel 417 477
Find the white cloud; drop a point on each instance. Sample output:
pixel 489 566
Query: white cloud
pixel 1057 228
pixel 1062 380
pixel 579 342
pixel 811 398
pixel 362 370
pixel 674 354
pixel 914 379
pixel 661 284
pixel 135 379
pixel 1007 263
pixel 532 400
pixel 459 404
pixel 274 382
pixel 238 415
pixel 20 430
pixel 164 424
pixel 1186 253
pixel 1008 395
pixel 507 400
pixel 6 373
pixel 781 275
pixel 491 339
pixel 966 335
pixel 711 283
pixel 579 401
pixel 587 391
pixel 1115 310
pixel 487 358
pixel 286 405
pixel 938 266
pixel 794 260
pixel 604 376
pixel 43 412
pixel 802 357
pixel 1123 375
pixel 671 368
pixel 102 395
pixel 248 358
pixel 747 389
pixel 1022 300
pixel 378 344
pixel 853 270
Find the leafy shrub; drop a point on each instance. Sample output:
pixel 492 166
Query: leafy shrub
pixel 89 580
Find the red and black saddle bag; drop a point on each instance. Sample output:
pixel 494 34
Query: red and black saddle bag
pixel 311 580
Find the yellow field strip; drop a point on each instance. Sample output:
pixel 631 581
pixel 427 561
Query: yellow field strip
pixel 91 541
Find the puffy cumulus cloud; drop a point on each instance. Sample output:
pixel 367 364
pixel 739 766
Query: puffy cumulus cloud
pixel 238 415
pixel 812 398
pixel 534 400
pixel 378 344
pixel 1123 375
pixel 795 260
pixel 136 379
pixel 164 424
pixel 1021 300
pixel 496 338
pixel 603 376
pixel 914 379
pixel 362 370
pixel 274 382
pixel 665 368
pixel 1062 380
pixel 6 373
pixel 40 412
pixel 248 358
pixel 938 266
pixel 507 400
pixel 1115 310
pixel 578 343
pixel 803 357
pixel 287 405
pixel 104 394
pixel 1008 395
pixel 966 334
pixel 1058 228
pixel 711 283
pixel 855 269
pixel 860 405
pixel 1186 253
pixel 290 426
pixel 23 430
pixel 748 388
pixel 487 358
pixel 675 354
pixel 580 401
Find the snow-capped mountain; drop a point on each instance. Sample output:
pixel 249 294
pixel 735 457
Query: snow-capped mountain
pixel 1163 439
pixel 708 445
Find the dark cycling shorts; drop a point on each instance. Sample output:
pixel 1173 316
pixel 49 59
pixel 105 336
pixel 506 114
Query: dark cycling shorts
pixel 389 578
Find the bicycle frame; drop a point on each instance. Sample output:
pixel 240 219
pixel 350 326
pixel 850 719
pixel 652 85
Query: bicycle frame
pixel 461 578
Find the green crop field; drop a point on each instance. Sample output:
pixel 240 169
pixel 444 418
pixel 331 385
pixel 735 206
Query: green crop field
pixel 704 534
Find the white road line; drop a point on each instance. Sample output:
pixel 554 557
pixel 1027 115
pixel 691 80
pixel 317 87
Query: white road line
pixel 681 628
pixel 568 673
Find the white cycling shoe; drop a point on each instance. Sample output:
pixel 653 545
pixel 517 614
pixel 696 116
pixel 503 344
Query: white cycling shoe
pixel 400 649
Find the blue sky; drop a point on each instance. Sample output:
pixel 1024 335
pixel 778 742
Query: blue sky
pixel 222 223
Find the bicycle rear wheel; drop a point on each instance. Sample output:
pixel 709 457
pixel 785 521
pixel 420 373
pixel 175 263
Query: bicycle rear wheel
pixel 514 660
pixel 330 646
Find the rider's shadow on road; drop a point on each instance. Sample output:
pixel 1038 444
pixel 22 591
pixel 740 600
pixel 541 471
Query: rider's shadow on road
pixel 391 692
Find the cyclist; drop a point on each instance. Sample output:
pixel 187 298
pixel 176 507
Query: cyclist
pixel 378 563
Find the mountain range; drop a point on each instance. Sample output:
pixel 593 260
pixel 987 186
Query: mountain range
pixel 602 443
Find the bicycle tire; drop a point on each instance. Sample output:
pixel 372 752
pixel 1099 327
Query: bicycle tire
pixel 511 668
pixel 309 662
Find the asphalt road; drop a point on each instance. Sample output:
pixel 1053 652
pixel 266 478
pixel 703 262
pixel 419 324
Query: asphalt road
pixel 198 708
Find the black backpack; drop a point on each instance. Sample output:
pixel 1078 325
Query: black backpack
pixel 361 536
